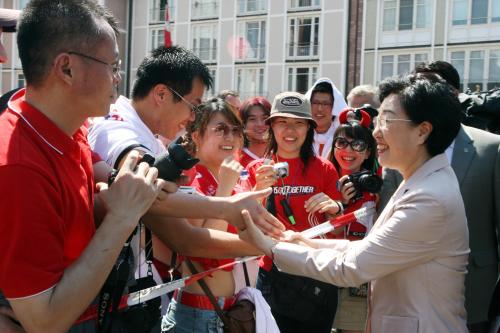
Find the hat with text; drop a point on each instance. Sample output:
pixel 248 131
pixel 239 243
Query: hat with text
pixel 8 19
pixel 291 105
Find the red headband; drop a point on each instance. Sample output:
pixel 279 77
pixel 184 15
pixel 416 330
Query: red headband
pixel 358 115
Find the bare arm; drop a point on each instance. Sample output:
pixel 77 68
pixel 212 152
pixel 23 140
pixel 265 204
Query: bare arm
pixel 194 206
pixel 56 309
pixel 192 241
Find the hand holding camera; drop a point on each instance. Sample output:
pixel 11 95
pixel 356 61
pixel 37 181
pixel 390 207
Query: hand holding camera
pixel 352 186
pixel 267 174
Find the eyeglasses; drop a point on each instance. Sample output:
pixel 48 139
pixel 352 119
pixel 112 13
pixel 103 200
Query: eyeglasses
pixel 193 107
pixel 323 104
pixel 356 145
pixel 115 67
pixel 223 130
pixel 382 121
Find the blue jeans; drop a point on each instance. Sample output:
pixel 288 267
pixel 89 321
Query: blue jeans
pixel 181 318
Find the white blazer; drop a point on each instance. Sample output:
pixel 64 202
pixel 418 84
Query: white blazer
pixel 415 257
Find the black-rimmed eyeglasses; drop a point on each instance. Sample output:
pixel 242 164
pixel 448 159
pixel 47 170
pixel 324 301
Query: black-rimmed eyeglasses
pixel 356 145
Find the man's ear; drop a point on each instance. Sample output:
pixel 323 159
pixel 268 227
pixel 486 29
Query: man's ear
pixel 161 93
pixel 63 68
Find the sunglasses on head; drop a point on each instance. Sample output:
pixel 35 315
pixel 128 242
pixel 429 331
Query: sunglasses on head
pixel 224 130
pixel 356 145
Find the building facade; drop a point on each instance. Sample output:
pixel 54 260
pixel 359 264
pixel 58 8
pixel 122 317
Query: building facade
pixel 256 47
pixel 263 47
pixel 398 34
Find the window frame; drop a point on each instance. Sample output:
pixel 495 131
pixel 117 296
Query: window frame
pixel 417 5
pixel 293 46
pixel 291 76
pixel 200 13
pixel 261 7
pixel 242 41
pixel 491 6
pixel 395 63
pixel 196 34
pixel 259 79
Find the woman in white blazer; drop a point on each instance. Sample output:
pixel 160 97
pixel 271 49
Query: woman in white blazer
pixel 416 254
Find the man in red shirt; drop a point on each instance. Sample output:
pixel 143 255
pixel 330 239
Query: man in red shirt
pixel 53 261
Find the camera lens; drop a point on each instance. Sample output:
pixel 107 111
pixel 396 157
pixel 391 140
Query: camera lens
pixel 370 183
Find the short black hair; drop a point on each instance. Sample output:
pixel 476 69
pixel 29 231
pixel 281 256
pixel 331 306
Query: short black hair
pixel 443 68
pixel 49 27
pixel 323 87
pixel 427 97
pixel 355 131
pixel 175 67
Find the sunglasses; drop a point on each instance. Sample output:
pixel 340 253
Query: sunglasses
pixel 356 145
pixel 223 130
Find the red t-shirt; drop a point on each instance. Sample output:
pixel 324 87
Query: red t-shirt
pixel 205 183
pixel 47 185
pixel 244 158
pixel 320 176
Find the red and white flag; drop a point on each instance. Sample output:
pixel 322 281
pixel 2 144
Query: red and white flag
pixel 166 33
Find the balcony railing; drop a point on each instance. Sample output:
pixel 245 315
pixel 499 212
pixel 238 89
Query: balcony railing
pixel 157 15
pixel 206 54
pixel 205 9
pixel 303 4
pixel 252 6
pixel 245 52
pixel 302 50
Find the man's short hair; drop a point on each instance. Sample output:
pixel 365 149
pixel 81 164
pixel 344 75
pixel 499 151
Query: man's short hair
pixel 444 69
pixel 365 90
pixel 175 67
pixel 50 27
pixel 427 97
pixel 323 87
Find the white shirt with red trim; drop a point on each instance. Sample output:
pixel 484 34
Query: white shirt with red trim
pixel 120 129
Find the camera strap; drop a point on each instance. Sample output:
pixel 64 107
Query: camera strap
pixel 113 288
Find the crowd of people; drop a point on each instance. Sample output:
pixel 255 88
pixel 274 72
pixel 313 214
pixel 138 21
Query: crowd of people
pixel 104 195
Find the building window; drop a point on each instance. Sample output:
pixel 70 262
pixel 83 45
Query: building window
pixel 458 61
pixel 213 91
pixel 250 82
pixel 300 79
pixel 475 11
pixel 494 71
pixel 157 38
pixel 20 80
pixel 157 11
pixel 303 37
pixel 204 9
pixel 301 4
pixel 401 64
pixel 251 43
pixel 205 42
pixel 252 6
pixel 476 70
pixel 409 14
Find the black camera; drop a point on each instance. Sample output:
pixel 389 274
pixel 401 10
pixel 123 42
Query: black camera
pixel 365 181
pixel 170 164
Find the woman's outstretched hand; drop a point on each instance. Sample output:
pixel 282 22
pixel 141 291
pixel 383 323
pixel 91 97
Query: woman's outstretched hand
pixel 255 236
